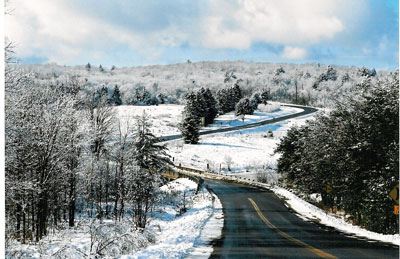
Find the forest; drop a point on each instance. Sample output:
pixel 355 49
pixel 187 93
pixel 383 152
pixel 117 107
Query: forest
pixel 350 155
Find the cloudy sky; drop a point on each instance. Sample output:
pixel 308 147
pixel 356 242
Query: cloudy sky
pixel 142 32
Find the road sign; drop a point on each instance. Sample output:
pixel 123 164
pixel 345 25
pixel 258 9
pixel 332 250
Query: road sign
pixel 396 209
pixel 394 194
pixel 328 188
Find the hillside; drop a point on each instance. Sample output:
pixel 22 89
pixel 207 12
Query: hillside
pixel 311 84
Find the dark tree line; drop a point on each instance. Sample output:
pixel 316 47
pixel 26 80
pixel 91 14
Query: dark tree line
pixel 355 150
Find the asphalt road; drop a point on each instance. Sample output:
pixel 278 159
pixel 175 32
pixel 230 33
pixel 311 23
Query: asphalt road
pixel 306 110
pixel 258 225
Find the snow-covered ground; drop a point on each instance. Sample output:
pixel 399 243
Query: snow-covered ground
pixel 170 233
pixel 247 149
pixel 166 117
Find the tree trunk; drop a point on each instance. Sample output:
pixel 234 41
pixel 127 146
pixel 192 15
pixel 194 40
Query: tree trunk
pixel 71 204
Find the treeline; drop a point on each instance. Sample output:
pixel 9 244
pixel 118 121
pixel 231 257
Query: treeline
pixel 141 96
pixel 350 155
pixel 67 155
pixel 308 84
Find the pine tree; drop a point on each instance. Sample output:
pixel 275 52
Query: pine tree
pixel 255 101
pixel 148 154
pixel 88 66
pixel 116 97
pixel 264 96
pixel 243 107
pixel 201 104
pixel 236 93
pixel 150 159
pixel 211 104
pixel 190 124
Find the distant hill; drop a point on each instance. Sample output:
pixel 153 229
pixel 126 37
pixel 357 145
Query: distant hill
pixel 312 84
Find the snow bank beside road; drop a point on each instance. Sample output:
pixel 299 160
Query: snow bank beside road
pixel 308 211
pixel 190 233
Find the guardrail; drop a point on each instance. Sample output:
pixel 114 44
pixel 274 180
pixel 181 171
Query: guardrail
pixel 235 178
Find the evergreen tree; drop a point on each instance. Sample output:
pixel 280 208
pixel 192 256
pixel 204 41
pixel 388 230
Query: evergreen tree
pixel 279 71
pixel 101 69
pixel 236 94
pixel 88 66
pixel 150 159
pixel 243 107
pixel 211 104
pixel 116 97
pixel 201 103
pixel 222 99
pixel 190 124
pixel 148 154
pixel 255 101
pixel 161 98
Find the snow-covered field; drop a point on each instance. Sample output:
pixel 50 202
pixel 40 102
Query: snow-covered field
pixel 170 233
pixel 247 149
pixel 166 117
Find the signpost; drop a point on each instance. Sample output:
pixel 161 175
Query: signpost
pixel 394 194
pixel 328 188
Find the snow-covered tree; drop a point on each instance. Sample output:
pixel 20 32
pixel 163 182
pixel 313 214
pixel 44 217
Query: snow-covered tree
pixel 255 100
pixel 150 160
pixel 148 154
pixel 116 97
pixel 190 124
pixel 244 107
pixel 354 149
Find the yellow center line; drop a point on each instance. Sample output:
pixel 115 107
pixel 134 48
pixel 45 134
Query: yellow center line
pixel 289 237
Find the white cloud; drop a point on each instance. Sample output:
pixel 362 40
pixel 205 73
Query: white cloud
pixel 273 21
pixel 73 31
pixel 61 33
pixel 294 53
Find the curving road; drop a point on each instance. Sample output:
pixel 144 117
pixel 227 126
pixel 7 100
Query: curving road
pixel 306 110
pixel 258 225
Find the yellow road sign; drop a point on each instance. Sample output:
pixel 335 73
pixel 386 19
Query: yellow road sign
pixel 328 188
pixel 394 194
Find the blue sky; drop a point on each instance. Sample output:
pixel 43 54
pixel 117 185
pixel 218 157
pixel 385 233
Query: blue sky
pixel 144 32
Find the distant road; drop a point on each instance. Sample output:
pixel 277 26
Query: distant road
pixel 258 225
pixel 306 110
